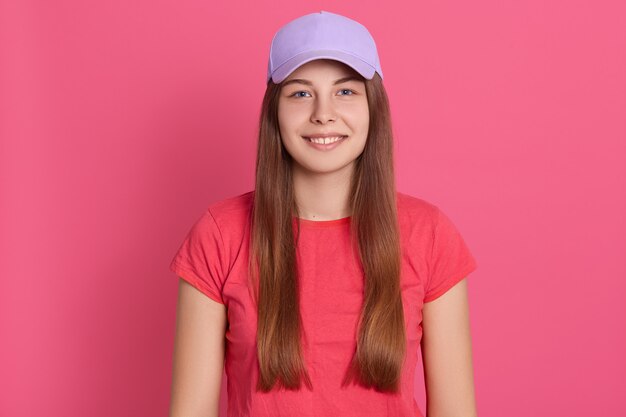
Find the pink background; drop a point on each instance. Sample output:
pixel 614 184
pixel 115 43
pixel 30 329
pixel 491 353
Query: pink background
pixel 121 121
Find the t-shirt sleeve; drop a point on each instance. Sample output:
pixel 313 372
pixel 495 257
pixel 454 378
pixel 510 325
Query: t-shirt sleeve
pixel 451 259
pixel 199 259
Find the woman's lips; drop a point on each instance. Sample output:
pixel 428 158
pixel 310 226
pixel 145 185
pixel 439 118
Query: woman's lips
pixel 325 146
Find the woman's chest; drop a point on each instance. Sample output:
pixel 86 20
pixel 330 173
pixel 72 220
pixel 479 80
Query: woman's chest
pixel 331 285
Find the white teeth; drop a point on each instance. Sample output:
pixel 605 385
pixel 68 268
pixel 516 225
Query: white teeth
pixel 325 140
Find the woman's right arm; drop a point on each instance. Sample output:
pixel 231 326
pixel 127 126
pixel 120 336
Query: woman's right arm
pixel 198 354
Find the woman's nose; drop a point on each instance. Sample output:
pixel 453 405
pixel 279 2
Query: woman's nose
pixel 323 110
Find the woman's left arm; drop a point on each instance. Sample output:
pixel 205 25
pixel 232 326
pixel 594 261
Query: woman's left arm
pixel 447 355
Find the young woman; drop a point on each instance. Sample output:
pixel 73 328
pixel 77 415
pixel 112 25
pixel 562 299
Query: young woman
pixel 316 289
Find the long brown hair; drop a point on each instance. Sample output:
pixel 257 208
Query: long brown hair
pixel 381 342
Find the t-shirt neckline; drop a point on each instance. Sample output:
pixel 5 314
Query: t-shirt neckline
pixel 322 223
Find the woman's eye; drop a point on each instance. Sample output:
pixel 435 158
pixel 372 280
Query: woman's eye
pixel 296 94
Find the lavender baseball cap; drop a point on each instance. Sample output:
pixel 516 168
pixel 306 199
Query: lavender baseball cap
pixel 322 35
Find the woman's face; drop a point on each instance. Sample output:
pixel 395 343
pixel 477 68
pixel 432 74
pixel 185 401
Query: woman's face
pixel 323 98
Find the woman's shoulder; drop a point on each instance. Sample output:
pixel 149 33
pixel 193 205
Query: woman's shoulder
pixel 233 211
pixel 415 208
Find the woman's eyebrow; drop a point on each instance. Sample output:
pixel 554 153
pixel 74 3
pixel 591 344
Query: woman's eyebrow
pixel 309 83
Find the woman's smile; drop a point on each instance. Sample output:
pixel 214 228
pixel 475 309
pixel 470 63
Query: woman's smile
pixel 325 144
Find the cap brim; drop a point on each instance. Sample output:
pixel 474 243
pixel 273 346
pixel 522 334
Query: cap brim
pixel 360 66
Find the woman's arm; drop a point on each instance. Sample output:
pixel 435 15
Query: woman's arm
pixel 447 355
pixel 198 354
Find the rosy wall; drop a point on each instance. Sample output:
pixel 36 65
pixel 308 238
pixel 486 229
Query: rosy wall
pixel 120 121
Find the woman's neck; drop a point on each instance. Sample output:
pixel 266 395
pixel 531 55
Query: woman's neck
pixel 323 196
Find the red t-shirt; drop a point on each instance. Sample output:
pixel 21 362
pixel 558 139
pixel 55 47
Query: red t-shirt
pixel 213 258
